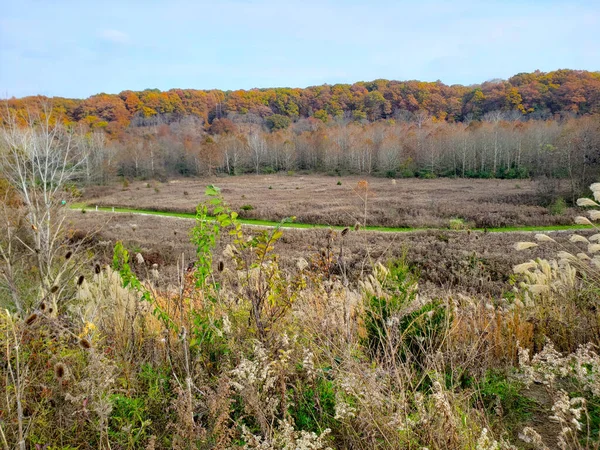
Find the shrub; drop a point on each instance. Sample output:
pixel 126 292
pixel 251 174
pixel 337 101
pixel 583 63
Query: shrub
pixel 502 398
pixel 246 207
pixel 457 224
pixel 558 207
pixel 394 317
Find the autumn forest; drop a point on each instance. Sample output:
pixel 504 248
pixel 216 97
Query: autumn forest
pixel 531 125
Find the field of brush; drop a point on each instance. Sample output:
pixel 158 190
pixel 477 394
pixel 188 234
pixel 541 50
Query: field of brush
pixel 327 200
pixel 455 330
pixel 467 261
pixel 448 242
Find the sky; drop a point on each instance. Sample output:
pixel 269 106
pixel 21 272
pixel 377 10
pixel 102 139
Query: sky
pixel 77 48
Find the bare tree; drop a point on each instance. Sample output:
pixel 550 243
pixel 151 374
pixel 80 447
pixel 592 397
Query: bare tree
pixel 38 157
pixel 97 158
pixel 258 149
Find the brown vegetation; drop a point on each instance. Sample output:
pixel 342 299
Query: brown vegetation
pixel 274 339
pixel 474 262
pixel 336 201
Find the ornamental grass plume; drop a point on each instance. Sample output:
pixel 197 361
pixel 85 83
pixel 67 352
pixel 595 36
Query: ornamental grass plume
pixel 543 238
pixel 139 258
pixel 586 202
pixel 578 238
pixel 580 220
pixel 524 245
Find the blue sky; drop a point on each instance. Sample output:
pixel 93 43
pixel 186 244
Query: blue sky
pixel 76 48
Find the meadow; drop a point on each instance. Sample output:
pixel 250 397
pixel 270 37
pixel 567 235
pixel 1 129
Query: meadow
pixel 344 201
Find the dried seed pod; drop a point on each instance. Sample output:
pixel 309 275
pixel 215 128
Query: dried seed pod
pixel 80 280
pixel 60 371
pixel 31 318
pixel 221 266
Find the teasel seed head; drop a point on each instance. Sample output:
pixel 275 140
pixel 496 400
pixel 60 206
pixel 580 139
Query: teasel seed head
pixel 80 280
pixel 85 344
pixel 68 255
pixel 54 289
pixel 31 318
pixel 221 266
pixel 357 226
pixel 345 231
pixel 97 269
pixel 43 306
pixel 60 371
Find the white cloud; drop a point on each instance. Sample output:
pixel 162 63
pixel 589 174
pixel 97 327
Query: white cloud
pixel 115 36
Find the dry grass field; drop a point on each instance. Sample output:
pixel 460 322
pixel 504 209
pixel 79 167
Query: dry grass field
pixel 320 199
pixel 473 262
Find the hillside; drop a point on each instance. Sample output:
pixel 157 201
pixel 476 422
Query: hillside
pixel 537 95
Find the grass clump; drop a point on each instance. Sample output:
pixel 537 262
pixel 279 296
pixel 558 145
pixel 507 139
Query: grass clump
pixel 457 224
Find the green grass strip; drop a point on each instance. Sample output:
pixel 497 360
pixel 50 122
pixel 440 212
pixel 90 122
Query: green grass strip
pixel 269 223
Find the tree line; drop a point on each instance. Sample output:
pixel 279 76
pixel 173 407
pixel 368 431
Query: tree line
pixel 496 147
pixel 532 125
pixel 535 95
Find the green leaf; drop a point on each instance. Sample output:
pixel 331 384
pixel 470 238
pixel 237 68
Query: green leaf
pixel 212 191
